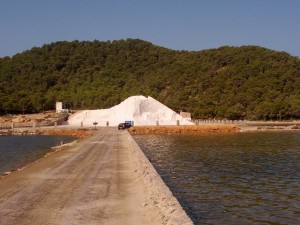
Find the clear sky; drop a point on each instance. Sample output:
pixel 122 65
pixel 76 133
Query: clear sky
pixel 175 24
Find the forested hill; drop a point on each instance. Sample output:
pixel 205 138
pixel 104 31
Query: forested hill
pixel 248 82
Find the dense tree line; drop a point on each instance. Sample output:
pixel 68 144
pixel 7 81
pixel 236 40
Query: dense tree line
pixel 247 82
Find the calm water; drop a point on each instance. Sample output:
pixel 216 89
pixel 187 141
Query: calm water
pixel 243 178
pixel 17 151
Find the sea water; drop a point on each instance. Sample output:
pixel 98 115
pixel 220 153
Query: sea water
pixel 17 151
pixel 234 178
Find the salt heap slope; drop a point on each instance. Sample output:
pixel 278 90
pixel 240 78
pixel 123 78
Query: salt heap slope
pixel 139 109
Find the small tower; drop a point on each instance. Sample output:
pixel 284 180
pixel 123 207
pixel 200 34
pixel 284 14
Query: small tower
pixel 59 107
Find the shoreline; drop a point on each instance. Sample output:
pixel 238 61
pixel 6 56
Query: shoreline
pixel 79 133
pixel 208 128
pixel 76 132
pixel 188 129
pixel 50 151
pixel 83 132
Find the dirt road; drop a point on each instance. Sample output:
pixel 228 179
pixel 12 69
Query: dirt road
pixel 90 183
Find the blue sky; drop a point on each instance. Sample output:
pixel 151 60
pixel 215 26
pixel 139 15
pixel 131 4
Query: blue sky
pixel 176 24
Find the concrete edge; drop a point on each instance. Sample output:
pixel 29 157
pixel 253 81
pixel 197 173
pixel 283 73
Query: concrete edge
pixel 160 196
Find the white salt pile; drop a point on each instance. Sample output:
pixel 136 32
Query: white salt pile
pixel 139 109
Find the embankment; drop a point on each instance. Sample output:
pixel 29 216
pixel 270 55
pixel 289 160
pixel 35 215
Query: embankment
pixel 159 196
pixel 68 132
pixel 182 129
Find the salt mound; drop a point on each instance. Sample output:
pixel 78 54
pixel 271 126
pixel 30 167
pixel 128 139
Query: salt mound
pixel 139 109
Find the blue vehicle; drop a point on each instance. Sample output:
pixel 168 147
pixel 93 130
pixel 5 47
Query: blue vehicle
pixel 123 126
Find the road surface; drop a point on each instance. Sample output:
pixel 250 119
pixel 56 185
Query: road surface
pixel 93 182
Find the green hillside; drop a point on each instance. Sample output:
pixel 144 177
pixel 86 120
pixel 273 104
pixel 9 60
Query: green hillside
pixel 248 82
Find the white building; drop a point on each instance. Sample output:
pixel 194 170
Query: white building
pixel 59 107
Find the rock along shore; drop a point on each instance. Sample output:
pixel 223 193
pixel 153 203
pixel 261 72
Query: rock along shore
pixel 81 133
pixel 182 129
pixel 68 132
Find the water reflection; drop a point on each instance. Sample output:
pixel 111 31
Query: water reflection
pixel 243 178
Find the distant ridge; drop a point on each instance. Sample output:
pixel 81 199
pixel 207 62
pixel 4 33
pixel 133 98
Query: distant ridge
pixel 248 82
